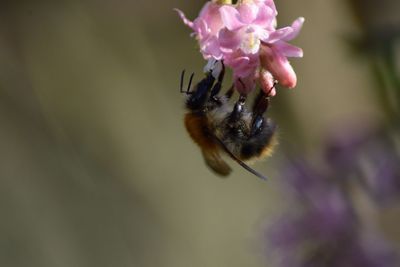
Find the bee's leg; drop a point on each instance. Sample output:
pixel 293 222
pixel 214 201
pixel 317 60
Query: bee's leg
pixel 261 102
pixel 189 85
pixel 237 109
pixel 230 92
pixel 260 106
pixel 217 86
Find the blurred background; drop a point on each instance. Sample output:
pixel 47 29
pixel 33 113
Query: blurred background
pixel 96 168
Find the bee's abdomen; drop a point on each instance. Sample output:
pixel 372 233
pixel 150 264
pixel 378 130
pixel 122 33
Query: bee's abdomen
pixel 198 129
pixel 260 145
pixel 258 149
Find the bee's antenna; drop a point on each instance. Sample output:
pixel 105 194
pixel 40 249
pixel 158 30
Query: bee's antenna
pixel 241 163
pixel 182 77
pixel 190 83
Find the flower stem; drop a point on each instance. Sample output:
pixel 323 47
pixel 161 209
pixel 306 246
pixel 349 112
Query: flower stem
pixel 223 2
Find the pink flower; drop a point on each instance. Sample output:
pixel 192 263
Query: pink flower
pixel 206 27
pixel 246 25
pixel 274 53
pixel 267 82
pixel 245 37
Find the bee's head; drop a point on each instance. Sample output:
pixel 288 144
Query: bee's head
pixel 205 89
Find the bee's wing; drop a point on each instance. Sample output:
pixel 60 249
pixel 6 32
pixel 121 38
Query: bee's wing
pixel 216 163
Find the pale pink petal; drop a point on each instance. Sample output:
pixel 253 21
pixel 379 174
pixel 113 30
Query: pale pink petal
pixel 238 65
pixel 276 63
pixel 205 11
pixel 272 92
pixel 261 33
pixel 279 34
pixel 289 50
pixel 242 65
pixel 210 14
pixel 244 85
pixel 200 27
pixel 215 24
pixel 270 4
pixel 296 26
pixel 267 82
pixel 250 44
pixel 183 17
pixel 229 40
pixel 265 17
pixel 210 48
pixel 247 13
pixel 230 17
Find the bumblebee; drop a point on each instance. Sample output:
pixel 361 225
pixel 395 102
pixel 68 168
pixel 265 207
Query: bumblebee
pixel 216 126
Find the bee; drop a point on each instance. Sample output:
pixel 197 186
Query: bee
pixel 216 126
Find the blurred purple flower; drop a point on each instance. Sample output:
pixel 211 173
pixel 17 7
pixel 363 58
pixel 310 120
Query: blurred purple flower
pixel 342 148
pixel 372 156
pixel 325 209
pixel 323 230
pixel 379 164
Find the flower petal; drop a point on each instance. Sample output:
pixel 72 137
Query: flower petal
pixel 250 43
pixel 276 63
pixel 183 17
pixel 270 4
pixel 289 50
pixel 201 28
pixel 210 48
pixel 229 40
pixel 265 17
pixel 238 65
pixel 267 82
pixel 244 85
pixel 296 26
pixel 279 34
pixel 247 12
pixel 242 65
pixel 230 17
pixel 206 10
pixel 210 14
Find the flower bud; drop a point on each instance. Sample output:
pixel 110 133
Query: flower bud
pixel 276 63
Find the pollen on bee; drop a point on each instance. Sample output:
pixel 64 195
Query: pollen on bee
pixel 268 150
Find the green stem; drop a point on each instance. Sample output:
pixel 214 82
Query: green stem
pixel 223 2
pixel 384 66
